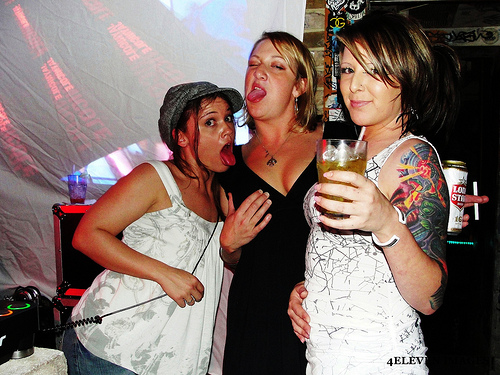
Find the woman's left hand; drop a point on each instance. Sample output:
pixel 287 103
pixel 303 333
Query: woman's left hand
pixel 367 203
pixel 298 315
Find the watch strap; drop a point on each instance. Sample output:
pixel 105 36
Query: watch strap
pixel 394 239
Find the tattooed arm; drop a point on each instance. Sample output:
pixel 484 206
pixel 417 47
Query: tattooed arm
pixel 411 180
pixel 422 194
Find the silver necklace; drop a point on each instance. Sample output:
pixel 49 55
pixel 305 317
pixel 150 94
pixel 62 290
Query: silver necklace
pixel 272 161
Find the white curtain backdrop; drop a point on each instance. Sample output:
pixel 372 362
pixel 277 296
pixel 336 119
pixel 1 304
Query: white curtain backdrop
pixel 81 83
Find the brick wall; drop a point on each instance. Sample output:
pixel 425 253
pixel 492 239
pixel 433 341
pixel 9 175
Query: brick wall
pixel 314 32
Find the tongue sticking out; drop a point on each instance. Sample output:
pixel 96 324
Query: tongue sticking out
pixel 227 157
pixel 256 95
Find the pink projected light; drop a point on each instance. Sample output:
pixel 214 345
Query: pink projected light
pixel 88 118
pixel 35 43
pixel 17 153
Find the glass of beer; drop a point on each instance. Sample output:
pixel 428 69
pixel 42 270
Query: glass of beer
pixel 343 155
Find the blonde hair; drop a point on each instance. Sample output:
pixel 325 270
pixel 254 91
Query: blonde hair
pixel 299 58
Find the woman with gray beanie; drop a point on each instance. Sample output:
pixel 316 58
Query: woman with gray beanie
pixel 156 301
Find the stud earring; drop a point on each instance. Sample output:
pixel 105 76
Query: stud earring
pixel 414 112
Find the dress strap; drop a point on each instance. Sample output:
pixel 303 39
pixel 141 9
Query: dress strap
pixel 384 155
pixel 167 178
pixel 376 163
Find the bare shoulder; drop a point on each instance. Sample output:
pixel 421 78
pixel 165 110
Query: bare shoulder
pixel 142 186
pixel 412 145
pixel 142 175
pixel 132 196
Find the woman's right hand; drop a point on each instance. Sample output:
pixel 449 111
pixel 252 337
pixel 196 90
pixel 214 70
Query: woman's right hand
pixel 364 204
pixel 242 225
pixel 300 319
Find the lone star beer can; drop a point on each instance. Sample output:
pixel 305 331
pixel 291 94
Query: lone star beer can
pixel 455 173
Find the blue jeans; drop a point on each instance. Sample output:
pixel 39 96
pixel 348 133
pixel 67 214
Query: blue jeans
pixel 82 362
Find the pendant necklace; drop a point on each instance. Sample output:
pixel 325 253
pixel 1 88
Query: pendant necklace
pixel 272 161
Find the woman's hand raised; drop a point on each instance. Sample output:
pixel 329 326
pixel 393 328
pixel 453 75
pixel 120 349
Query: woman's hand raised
pixel 364 204
pixel 242 225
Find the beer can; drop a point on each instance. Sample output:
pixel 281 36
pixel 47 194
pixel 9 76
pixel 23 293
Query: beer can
pixel 455 173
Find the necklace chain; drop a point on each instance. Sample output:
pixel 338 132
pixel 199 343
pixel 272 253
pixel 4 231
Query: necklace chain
pixel 272 161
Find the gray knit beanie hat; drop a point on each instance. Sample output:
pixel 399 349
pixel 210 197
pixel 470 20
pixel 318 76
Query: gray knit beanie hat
pixel 177 98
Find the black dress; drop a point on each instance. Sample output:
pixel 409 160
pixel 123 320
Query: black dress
pixel 260 338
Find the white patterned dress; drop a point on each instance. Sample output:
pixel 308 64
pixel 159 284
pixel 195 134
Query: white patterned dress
pixel 360 323
pixel 158 337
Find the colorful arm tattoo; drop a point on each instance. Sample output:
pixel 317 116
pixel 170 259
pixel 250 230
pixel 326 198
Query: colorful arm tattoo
pixel 423 195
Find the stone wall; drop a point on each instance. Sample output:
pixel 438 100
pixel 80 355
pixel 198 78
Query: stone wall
pixel 314 32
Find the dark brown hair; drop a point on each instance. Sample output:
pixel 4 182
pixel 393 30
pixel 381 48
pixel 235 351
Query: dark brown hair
pixel 193 107
pixel 403 57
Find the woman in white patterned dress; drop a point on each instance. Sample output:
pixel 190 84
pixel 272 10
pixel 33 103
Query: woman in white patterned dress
pixel 169 212
pixel 369 274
